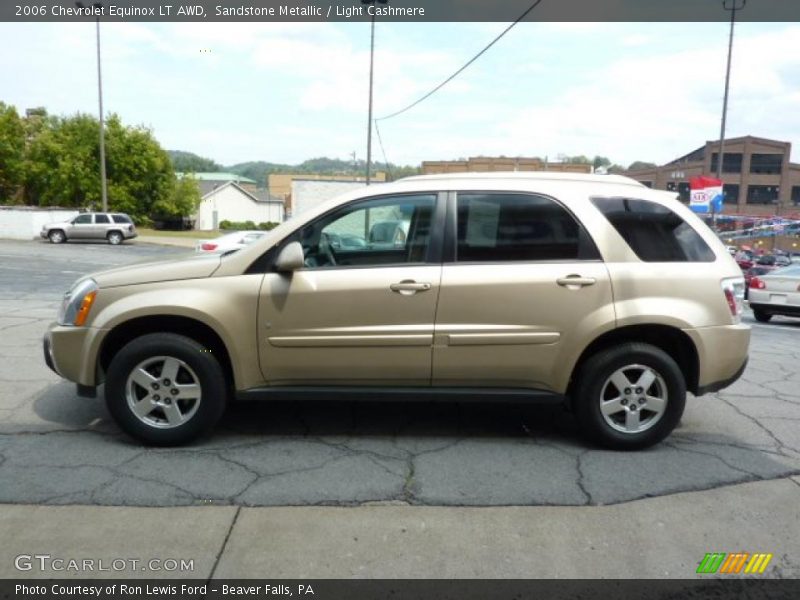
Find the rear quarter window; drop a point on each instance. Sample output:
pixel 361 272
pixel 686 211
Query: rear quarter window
pixel 121 219
pixel 653 231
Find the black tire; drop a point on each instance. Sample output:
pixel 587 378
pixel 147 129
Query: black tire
pixel 115 238
pixel 593 378
pixel 56 236
pixel 761 316
pixel 203 366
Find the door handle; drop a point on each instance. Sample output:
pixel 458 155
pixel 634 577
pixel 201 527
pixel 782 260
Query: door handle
pixel 409 287
pixel 575 281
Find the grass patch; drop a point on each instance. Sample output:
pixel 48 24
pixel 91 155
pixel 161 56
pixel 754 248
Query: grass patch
pixel 191 234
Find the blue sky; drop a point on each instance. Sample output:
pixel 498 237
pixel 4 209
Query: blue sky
pixel 284 92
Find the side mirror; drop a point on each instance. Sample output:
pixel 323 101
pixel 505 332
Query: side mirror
pixel 290 259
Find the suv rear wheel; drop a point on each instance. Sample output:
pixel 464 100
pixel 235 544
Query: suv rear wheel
pixel 114 238
pixel 165 389
pixel 629 396
pixel 57 236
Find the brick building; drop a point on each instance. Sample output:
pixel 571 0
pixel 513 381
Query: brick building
pixel 757 177
pixel 500 163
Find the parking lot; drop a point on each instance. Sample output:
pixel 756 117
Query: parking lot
pixel 57 448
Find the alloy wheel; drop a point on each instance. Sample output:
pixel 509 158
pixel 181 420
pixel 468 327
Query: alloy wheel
pixel 163 392
pixel 633 399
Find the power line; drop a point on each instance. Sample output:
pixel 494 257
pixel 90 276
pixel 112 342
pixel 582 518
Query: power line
pixel 468 63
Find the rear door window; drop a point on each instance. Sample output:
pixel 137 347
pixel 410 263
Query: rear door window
pixel 503 227
pixel 653 231
pixel 98 219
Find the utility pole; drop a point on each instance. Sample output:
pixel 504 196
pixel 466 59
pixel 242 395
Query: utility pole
pixel 103 185
pixel 732 6
pixel 371 69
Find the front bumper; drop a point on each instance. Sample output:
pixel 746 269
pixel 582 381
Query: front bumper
pixel 71 352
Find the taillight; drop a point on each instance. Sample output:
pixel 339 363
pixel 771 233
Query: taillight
pixel 209 246
pixel 757 284
pixel 733 289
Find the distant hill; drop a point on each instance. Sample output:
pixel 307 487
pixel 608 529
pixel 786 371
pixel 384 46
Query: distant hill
pixel 258 170
pixel 185 162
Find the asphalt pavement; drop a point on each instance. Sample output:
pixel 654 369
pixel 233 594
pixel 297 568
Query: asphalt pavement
pixel 59 449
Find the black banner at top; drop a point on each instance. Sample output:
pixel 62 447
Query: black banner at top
pixel 399 10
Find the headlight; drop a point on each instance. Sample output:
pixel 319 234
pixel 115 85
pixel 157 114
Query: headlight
pixel 77 302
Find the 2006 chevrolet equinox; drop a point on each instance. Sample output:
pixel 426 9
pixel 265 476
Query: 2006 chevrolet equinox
pixel 593 291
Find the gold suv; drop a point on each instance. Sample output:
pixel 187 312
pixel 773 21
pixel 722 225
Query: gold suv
pixel 592 291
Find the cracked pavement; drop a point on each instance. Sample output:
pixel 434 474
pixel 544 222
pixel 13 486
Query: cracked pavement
pixel 56 448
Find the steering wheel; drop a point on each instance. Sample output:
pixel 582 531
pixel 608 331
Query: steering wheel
pixel 324 248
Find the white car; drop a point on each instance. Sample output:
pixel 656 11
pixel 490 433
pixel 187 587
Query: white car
pixel 777 293
pixel 230 241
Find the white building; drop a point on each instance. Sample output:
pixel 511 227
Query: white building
pixel 230 202
pixel 308 193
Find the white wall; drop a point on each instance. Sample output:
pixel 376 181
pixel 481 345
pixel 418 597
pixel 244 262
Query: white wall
pixel 232 204
pixel 24 222
pixel 308 193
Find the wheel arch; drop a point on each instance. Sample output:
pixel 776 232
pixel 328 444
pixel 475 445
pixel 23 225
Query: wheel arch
pixel 676 343
pixel 201 332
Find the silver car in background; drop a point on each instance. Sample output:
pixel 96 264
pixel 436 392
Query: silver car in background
pixel 777 293
pixel 229 241
pixel 115 228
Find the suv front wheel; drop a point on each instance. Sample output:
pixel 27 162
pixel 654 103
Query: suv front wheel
pixel 629 396
pixel 165 389
pixel 56 236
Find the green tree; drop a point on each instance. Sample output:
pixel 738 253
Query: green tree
pixel 182 202
pixel 601 161
pixel 61 162
pixel 12 153
pixel 641 165
pixel 139 170
pixel 62 165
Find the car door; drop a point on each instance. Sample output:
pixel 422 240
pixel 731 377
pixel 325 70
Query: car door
pixel 101 226
pixel 81 227
pixel 522 288
pixel 359 313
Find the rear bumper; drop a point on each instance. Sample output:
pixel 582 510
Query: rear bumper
pixel 791 310
pixel 721 385
pixel 722 352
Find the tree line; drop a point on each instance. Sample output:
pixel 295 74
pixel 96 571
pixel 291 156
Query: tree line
pixel 54 161
pixel 260 170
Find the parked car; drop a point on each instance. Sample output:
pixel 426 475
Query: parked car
pixel 113 227
pixel 744 259
pixel 229 241
pixel 502 289
pixel 756 271
pixel 774 260
pixel 776 293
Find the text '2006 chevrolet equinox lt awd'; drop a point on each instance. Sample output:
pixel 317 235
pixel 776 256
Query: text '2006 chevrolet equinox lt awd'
pixel 593 291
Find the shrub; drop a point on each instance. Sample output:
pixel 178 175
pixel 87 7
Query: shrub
pixel 242 225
